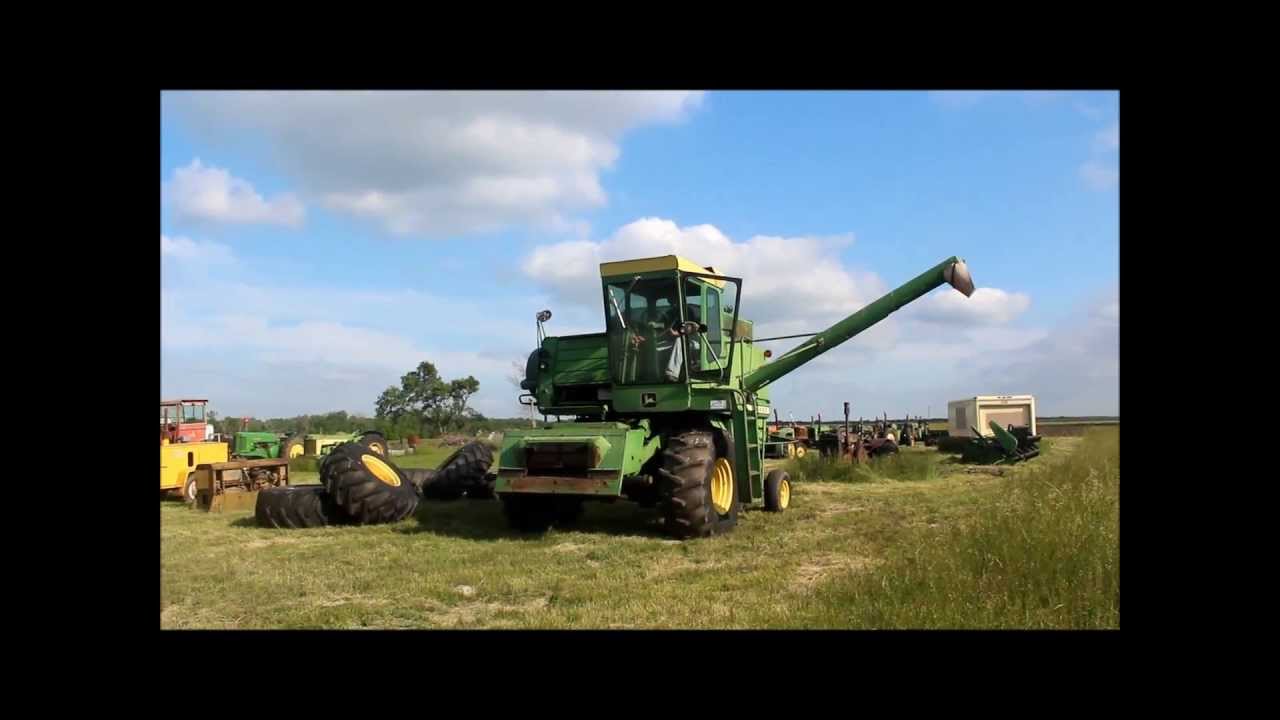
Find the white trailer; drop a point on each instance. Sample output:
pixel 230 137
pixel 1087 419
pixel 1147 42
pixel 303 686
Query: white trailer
pixel 980 410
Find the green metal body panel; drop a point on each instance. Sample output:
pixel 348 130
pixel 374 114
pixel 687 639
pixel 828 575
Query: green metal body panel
pixel 609 382
pixel 593 457
pixel 256 445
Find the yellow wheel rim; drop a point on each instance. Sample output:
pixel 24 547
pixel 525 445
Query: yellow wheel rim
pixel 722 486
pixel 377 447
pixel 791 451
pixel 784 494
pixel 800 451
pixel 381 470
pixel 295 451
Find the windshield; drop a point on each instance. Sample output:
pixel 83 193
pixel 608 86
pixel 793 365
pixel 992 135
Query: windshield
pixel 643 322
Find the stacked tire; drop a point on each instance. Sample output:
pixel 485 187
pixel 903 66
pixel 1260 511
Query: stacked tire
pixel 360 486
pixel 357 487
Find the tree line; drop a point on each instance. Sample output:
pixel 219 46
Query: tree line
pixel 424 404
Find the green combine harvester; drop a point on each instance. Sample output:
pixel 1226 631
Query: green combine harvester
pixel 670 403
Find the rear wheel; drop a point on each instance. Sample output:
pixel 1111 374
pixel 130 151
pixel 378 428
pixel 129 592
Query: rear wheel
pixel 699 495
pixel 777 491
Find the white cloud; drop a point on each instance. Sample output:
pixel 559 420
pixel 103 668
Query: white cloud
pixel 987 306
pixel 187 250
pixel 439 163
pixel 198 192
pixel 1108 138
pixel 277 350
pixel 1075 368
pixel 1098 175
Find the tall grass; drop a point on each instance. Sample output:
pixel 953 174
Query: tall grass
pixel 1045 554
pixel 901 466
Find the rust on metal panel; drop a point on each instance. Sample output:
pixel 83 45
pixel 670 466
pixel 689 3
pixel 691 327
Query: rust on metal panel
pixel 530 483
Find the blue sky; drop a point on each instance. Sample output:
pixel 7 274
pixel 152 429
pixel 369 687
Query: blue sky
pixel 315 246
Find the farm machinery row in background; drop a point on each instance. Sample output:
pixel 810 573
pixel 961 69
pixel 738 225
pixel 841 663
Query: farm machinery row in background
pixel 860 440
pixel 855 439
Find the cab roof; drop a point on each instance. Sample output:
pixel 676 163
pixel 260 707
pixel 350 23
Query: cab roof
pixel 653 264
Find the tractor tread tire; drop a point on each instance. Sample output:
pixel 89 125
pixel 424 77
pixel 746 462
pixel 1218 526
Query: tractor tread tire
pixel 485 490
pixel 296 507
pixel 420 478
pixel 463 471
pixel 359 493
pixel 684 484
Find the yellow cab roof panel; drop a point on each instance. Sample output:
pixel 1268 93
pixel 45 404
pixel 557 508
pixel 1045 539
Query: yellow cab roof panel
pixel 644 265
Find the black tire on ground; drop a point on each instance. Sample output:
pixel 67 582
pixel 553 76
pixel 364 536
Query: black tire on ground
pixel 375 441
pixel 189 490
pixel 367 487
pixel 288 445
pixel 684 482
pixel 483 491
pixel 296 507
pixel 464 470
pixel 775 499
pixel 420 478
pixel 529 513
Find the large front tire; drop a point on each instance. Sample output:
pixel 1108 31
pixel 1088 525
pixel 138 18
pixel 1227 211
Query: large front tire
pixel 698 488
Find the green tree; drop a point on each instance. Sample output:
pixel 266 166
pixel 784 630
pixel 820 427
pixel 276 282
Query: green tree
pixel 428 399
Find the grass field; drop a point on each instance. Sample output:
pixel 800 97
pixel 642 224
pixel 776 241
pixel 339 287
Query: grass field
pixel 1033 545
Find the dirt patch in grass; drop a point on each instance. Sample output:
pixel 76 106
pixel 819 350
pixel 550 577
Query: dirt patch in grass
pixel 346 599
pixel 258 544
pixel 809 575
pixel 471 613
